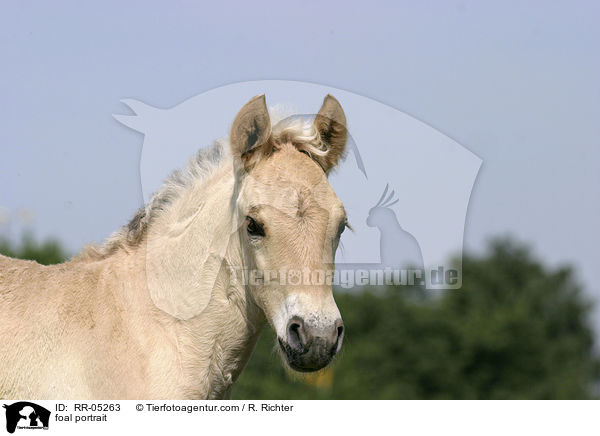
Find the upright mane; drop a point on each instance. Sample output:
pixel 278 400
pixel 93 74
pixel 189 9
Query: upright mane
pixel 296 130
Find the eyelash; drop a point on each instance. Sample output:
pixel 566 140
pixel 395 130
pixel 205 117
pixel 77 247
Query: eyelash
pixel 343 225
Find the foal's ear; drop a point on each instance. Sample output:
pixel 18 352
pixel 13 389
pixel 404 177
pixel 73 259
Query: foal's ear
pixel 331 125
pixel 251 131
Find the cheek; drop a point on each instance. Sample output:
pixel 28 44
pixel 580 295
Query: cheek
pixel 260 258
pixel 266 254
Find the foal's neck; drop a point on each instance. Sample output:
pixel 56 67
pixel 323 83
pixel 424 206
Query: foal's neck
pixel 193 262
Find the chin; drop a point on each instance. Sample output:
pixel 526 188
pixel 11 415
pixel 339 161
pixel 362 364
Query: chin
pixel 314 359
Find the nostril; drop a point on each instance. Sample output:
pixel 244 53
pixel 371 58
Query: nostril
pixel 340 335
pixel 295 333
pixel 294 330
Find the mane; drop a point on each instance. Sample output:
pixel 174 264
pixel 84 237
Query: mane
pixel 296 130
pixel 131 235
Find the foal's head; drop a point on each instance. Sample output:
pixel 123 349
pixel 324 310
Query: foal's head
pixel 291 222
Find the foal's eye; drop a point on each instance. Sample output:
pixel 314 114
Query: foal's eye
pixel 253 228
pixel 343 226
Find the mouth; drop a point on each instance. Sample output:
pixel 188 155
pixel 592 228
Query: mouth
pixel 309 359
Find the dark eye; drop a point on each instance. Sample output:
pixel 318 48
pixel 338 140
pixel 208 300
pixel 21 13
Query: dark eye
pixel 253 228
pixel 342 226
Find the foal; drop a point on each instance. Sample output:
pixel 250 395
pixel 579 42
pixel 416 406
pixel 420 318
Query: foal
pixel 171 306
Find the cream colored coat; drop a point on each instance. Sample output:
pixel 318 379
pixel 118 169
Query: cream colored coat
pixel 160 311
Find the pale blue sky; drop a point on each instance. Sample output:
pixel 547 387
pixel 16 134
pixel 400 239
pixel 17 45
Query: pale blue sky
pixel 515 83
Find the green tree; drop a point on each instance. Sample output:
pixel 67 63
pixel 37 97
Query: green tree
pixel 46 253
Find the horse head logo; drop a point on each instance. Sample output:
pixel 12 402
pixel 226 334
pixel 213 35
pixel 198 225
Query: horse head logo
pixel 26 415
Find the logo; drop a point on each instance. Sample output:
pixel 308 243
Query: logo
pixel 405 186
pixel 26 415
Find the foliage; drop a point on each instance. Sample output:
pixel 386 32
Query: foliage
pixel 515 330
pixel 46 253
